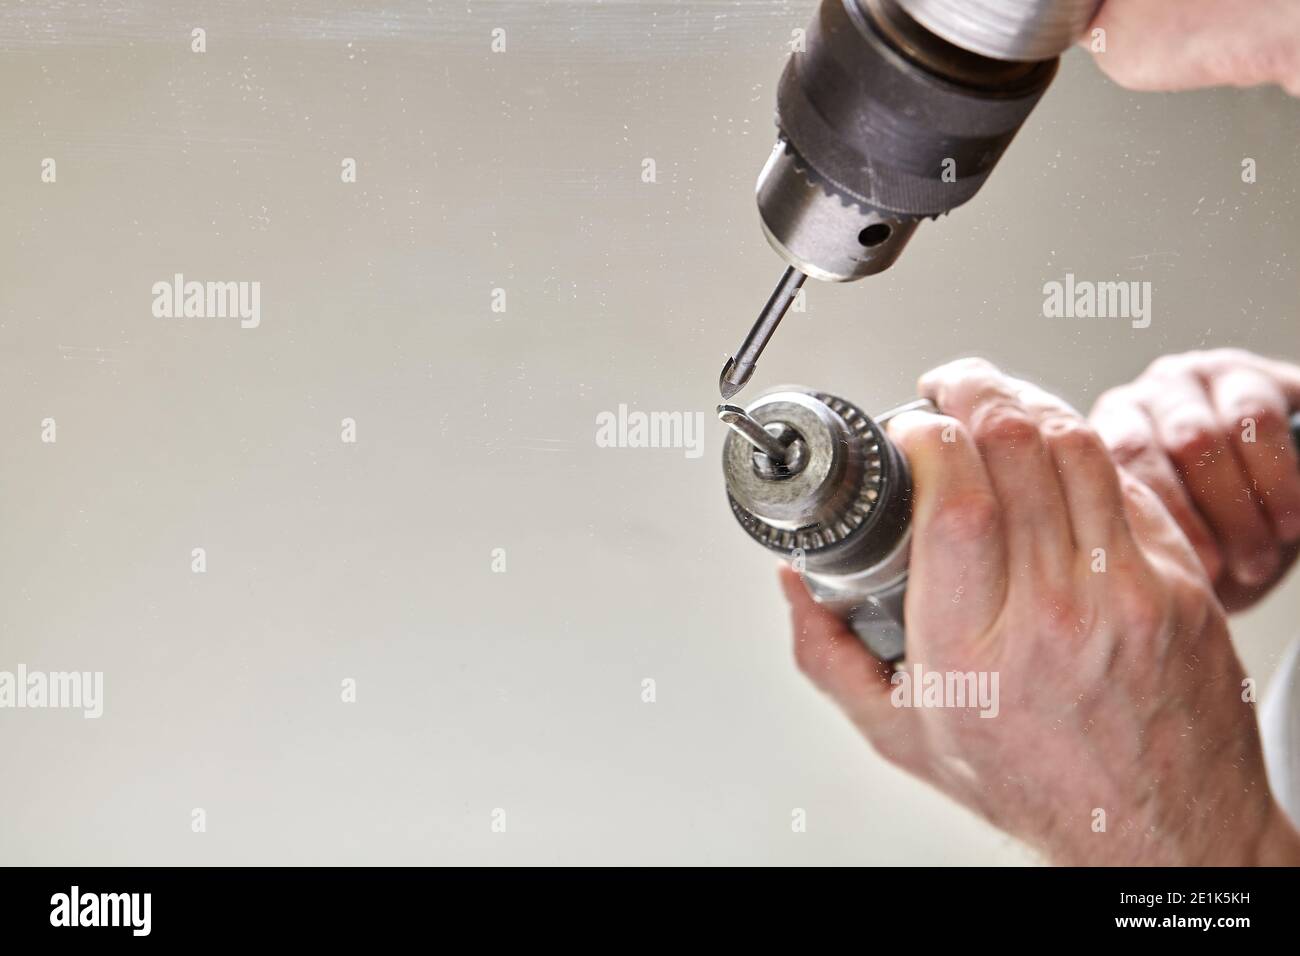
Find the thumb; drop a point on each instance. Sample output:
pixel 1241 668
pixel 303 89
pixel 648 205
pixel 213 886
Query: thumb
pixel 834 659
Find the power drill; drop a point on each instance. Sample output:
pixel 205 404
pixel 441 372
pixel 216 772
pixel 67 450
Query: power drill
pixel 894 111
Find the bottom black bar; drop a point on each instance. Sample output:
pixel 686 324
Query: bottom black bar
pixel 336 906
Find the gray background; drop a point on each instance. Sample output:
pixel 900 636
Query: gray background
pixel 476 430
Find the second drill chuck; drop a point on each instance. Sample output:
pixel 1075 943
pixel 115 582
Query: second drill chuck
pixel 814 478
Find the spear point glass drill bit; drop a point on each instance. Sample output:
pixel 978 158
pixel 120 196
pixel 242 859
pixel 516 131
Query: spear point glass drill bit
pixel 740 367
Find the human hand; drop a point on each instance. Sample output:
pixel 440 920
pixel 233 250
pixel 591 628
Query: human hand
pixel 1209 433
pixel 1035 559
pixel 1188 44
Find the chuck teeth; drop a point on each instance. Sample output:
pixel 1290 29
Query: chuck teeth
pixel 832 191
pixel 817 181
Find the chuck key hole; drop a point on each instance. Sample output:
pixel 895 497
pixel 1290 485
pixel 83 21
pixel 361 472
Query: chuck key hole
pixel 874 234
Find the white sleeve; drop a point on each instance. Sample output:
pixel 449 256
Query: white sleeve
pixel 1280 726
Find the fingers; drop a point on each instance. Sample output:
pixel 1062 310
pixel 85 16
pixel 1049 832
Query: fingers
pixel 1158 537
pixel 1188 429
pixel 958 564
pixel 1062 490
pixel 1091 485
pixel 1158 45
pixel 1284 374
pixel 1086 472
pixel 834 659
pixel 1127 430
pixel 1209 432
pixel 1235 597
pixel 1021 469
pixel 1254 412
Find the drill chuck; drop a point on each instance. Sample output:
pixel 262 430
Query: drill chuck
pixel 837 502
pixel 897 111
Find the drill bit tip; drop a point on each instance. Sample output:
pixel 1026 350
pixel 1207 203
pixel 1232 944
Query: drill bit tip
pixel 733 378
pixel 740 367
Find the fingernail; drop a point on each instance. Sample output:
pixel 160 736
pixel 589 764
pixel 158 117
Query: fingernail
pixel 1255 569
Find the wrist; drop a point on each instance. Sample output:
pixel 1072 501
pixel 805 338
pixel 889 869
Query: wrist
pixel 1272 841
pixel 1262 836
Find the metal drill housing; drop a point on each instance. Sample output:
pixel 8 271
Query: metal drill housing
pixel 883 121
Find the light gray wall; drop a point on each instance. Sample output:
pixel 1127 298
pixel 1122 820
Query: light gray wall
pixel 326 561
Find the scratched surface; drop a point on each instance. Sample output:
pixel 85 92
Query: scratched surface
pixel 372 561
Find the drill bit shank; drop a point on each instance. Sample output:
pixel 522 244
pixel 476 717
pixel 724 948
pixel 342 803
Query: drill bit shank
pixel 736 418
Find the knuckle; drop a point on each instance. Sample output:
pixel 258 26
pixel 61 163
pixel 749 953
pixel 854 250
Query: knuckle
pixel 958 372
pixel 1073 437
pixel 1004 424
pixel 925 432
pixel 1191 440
pixel 1265 416
pixel 1140 495
pixel 1061 611
pixel 1129 450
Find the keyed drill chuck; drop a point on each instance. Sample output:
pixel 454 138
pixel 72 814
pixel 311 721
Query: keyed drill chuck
pixel 889 113
pixel 897 111
pixel 815 479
